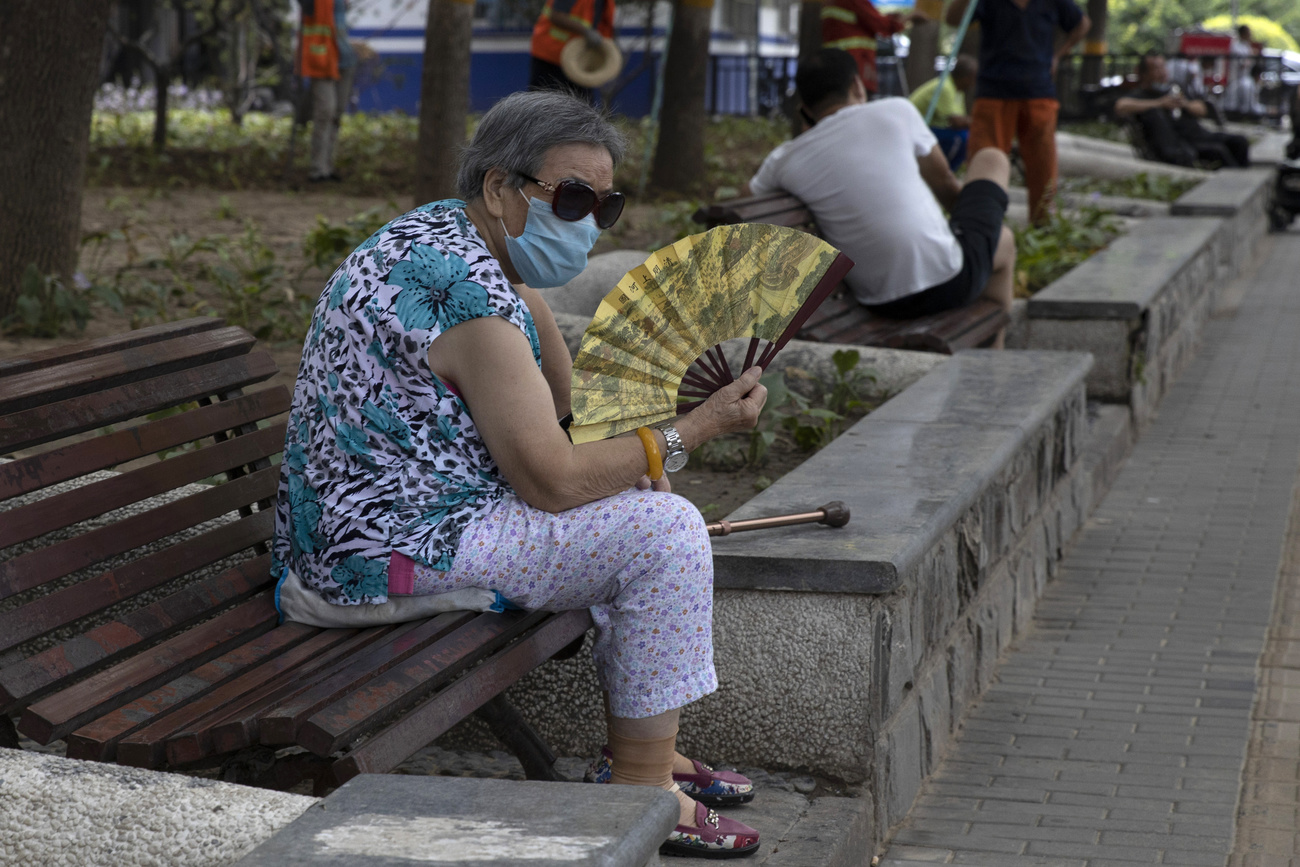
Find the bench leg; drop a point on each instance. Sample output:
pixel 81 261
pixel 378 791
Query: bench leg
pixel 8 734
pixel 261 767
pixel 521 739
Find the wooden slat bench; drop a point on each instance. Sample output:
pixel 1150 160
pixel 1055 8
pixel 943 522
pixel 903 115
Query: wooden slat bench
pixel 136 614
pixel 841 319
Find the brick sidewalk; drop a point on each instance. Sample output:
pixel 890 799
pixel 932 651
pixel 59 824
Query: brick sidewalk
pixel 1268 823
pixel 1118 727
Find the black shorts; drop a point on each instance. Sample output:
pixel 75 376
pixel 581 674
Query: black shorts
pixel 977 224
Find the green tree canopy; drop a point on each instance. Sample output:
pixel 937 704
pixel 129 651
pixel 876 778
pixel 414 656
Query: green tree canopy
pixel 1263 30
pixel 1138 26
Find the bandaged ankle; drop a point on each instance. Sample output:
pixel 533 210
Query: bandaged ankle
pixel 642 761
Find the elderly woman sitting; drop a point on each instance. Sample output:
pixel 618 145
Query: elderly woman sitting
pixel 424 464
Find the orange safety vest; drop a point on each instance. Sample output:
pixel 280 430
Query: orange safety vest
pixel 318 53
pixel 549 40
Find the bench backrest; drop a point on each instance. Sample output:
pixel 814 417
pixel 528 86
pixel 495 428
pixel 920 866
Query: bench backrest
pixel 777 209
pixel 96 565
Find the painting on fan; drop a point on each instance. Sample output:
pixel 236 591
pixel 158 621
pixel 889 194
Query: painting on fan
pixel 653 349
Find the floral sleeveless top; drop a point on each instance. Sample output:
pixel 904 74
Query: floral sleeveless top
pixel 380 455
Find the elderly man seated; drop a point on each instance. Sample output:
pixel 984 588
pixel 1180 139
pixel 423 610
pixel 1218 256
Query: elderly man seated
pixel 874 178
pixel 1169 122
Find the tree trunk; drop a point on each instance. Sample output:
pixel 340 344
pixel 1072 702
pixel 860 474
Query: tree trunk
pixel 810 41
pixel 922 54
pixel 444 98
pixel 679 155
pixel 50 52
pixel 1094 46
pixel 162 76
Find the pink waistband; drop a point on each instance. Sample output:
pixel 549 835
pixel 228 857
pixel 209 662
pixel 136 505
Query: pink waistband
pixel 401 575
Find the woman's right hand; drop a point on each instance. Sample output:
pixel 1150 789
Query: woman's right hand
pixel 734 407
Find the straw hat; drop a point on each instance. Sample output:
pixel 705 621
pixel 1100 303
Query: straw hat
pixel 588 66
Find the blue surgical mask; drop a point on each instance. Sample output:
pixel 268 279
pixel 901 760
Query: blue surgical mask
pixel 551 251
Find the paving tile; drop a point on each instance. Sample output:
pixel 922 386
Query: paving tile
pixel 1117 730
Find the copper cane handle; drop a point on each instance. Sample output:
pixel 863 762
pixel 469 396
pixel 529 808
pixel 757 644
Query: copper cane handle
pixel 833 514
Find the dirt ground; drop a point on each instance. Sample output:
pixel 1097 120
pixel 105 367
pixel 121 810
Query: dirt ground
pixel 144 221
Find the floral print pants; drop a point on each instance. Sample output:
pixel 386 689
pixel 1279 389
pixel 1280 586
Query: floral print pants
pixel 640 560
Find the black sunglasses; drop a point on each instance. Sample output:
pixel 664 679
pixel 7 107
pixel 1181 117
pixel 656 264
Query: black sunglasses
pixel 573 200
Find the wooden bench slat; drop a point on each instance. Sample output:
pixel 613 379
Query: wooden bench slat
pixel 124 489
pixel 387 749
pixel 103 645
pixel 189 729
pixel 109 450
pixel 59 559
pixel 238 727
pixel 48 422
pixel 106 345
pixel 45 385
pixel 153 570
pixel 351 716
pixel 133 733
pixel 279 723
pixel 63 712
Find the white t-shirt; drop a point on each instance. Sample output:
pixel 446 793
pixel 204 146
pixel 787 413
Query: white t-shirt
pixel 857 171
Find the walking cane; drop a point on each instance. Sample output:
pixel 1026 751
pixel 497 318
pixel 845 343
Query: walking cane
pixel 833 514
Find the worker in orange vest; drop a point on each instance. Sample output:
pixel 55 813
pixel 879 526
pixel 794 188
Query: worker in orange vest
pixel 854 26
pixel 560 21
pixel 326 58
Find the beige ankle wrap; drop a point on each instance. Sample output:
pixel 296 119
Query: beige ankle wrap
pixel 643 761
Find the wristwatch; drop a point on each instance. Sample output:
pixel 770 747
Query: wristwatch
pixel 676 456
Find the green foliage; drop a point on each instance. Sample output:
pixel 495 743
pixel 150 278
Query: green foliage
pixel 1264 30
pixel 253 290
pixel 328 243
pixel 376 152
pixel 807 423
pixel 47 307
pixel 1101 129
pixel 1138 26
pixel 1045 253
pixel 1158 187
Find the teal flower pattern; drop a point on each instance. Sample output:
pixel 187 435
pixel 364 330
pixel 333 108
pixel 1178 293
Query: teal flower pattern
pixel 360 577
pixel 393 455
pixel 435 291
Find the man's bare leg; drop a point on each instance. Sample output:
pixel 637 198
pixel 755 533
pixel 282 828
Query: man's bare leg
pixel 991 164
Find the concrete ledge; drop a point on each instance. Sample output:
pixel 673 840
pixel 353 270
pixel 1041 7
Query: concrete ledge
pixel 375 820
pixel 964 490
pixel 65 813
pixel 1140 305
pixel 908 471
pixel 1122 281
pixel 1225 193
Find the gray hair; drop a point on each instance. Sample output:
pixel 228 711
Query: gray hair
pixel 516 134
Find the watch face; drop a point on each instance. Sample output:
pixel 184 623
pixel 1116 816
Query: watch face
pixel 673 463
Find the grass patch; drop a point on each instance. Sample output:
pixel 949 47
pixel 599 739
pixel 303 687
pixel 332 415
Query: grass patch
pixel 1046 253
pixel 1143 185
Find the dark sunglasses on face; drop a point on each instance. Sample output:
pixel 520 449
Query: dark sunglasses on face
pixel 573 200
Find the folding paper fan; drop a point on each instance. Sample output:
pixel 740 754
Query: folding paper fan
pixel 653 348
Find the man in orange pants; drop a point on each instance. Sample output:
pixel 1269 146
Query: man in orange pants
pixel 1015 93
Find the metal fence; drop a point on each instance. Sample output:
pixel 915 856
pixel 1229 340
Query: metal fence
pixel 748 84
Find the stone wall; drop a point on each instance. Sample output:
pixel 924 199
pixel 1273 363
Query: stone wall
pixel 854 652
pixel 1140 305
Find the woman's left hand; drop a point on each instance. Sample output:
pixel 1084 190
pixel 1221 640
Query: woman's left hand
pixel 659 484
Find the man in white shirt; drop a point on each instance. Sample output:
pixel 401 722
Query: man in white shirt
pixel 874 177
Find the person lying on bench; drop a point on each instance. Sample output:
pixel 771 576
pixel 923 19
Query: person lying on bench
pixel 1170 122
pixel 424 468
pixel 874 178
